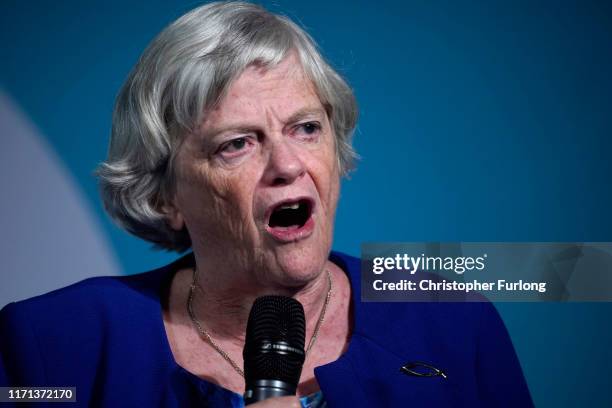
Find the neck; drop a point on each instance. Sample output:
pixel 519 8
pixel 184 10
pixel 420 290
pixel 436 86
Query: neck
pixel 222 302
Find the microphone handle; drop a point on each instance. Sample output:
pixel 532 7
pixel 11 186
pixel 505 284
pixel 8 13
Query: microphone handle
pixel 260 390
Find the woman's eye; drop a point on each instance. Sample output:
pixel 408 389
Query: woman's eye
pixel 236 148
pixel 234 145
pixel 309 129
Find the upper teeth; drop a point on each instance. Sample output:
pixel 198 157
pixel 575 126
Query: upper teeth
pixel 293 206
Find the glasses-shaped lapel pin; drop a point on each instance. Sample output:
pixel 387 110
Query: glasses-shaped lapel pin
pixel 420 369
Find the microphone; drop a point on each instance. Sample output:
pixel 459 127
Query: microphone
pixel 274 348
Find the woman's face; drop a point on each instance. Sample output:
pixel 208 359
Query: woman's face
pixel 257 184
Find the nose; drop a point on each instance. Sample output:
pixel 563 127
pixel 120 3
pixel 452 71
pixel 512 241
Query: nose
pixel 284 164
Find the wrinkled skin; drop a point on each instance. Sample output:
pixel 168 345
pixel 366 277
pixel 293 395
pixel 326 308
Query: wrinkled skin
pixel 269 139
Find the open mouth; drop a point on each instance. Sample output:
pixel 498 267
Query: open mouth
pixel 290 214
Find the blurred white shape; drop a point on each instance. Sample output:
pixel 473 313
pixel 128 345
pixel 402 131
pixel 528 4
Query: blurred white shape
pixel 49 236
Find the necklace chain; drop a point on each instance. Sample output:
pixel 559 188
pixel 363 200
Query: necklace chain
pixel 206 335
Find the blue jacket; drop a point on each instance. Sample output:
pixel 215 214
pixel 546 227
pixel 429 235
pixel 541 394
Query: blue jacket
pixel 106 337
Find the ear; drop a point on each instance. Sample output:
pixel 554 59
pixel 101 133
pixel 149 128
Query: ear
pixel 173 216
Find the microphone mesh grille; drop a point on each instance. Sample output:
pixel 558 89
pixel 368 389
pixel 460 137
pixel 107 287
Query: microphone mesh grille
pixel 277 320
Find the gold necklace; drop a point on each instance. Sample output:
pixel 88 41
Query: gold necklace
pixel 206 335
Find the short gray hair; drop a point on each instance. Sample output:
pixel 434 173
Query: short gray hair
pixel 185 71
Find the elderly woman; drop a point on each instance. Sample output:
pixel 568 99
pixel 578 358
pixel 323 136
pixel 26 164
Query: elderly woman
pixel 229 138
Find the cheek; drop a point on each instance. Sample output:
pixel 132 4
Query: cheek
pixel 332 200
pixel 335 189
pixel 199 198
pixel 214 203
pixel 327 180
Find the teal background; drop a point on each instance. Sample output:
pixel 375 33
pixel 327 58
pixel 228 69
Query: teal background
pixel 480 121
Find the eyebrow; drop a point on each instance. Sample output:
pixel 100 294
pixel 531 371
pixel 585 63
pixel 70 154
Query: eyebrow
pixel 244 127
pixel 305 113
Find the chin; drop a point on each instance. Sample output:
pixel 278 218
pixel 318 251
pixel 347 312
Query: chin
pixel 301 265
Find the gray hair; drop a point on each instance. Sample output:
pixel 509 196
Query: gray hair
pixel 185 71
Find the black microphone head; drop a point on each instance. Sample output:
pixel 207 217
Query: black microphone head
pixel 274 344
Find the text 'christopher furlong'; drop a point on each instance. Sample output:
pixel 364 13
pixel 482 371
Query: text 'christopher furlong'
pixel 444 285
